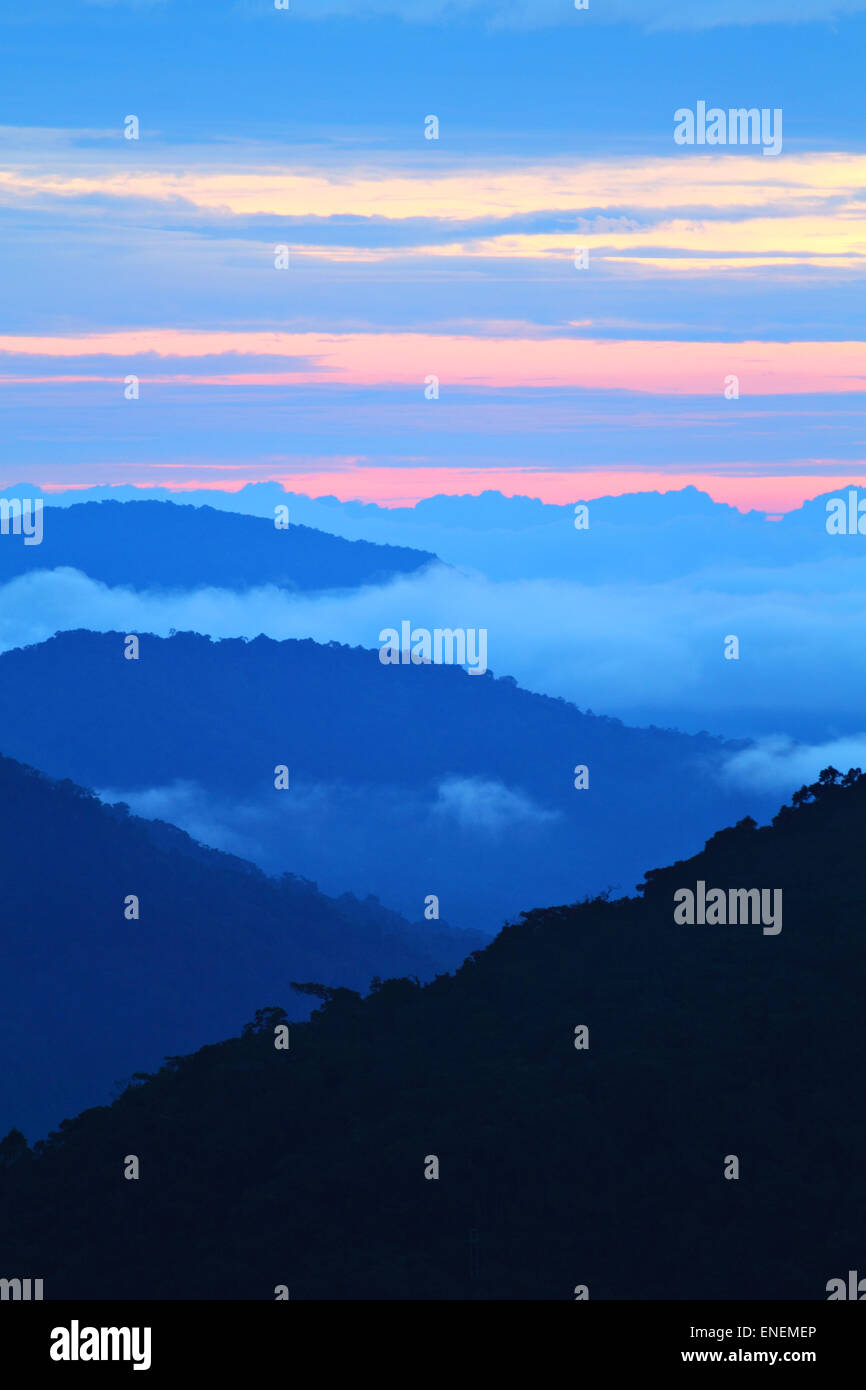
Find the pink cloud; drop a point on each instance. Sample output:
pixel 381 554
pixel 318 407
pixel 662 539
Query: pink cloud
pixel 379 359
pixel 351 479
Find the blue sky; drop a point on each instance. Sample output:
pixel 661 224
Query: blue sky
pixel 261 127
pixel 217 70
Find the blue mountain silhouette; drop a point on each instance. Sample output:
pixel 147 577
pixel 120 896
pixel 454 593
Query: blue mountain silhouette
pixel 606 1166
pixel 405 781
pixel 163 545
pixel 87 993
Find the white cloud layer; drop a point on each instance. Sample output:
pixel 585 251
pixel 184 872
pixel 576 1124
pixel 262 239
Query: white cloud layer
pixel 644 653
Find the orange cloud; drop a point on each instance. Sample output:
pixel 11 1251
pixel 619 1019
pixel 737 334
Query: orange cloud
pixel 712 181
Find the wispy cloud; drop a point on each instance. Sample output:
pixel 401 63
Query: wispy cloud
pixel 777 764
pixel 478 803
pixel 517 14
pixel 381 188
pixel 662 14
pixel 375 359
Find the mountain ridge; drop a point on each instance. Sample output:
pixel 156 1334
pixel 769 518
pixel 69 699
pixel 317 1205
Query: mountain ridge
pixel 405 781
pixel 562 1161
pixel 210 932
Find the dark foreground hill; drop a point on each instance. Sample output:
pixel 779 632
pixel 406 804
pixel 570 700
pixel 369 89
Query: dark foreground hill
pixel 166 545
pixel 602 1166
pixel 87 992
pixel 405 781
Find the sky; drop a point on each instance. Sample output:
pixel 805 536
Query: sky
pixel 551 298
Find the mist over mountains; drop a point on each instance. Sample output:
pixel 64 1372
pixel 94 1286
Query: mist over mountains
pixel 98 992
pixel 634 625
pixel 600 1165
pixel 650 536
pixel 405 781
pixel 407 784
pixel 397 900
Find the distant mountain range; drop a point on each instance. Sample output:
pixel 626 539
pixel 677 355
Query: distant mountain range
pixel 405 781
pixel 605 1102
pixel 88 992
pixel 162 545
pixel 648 536
pixel 629 616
